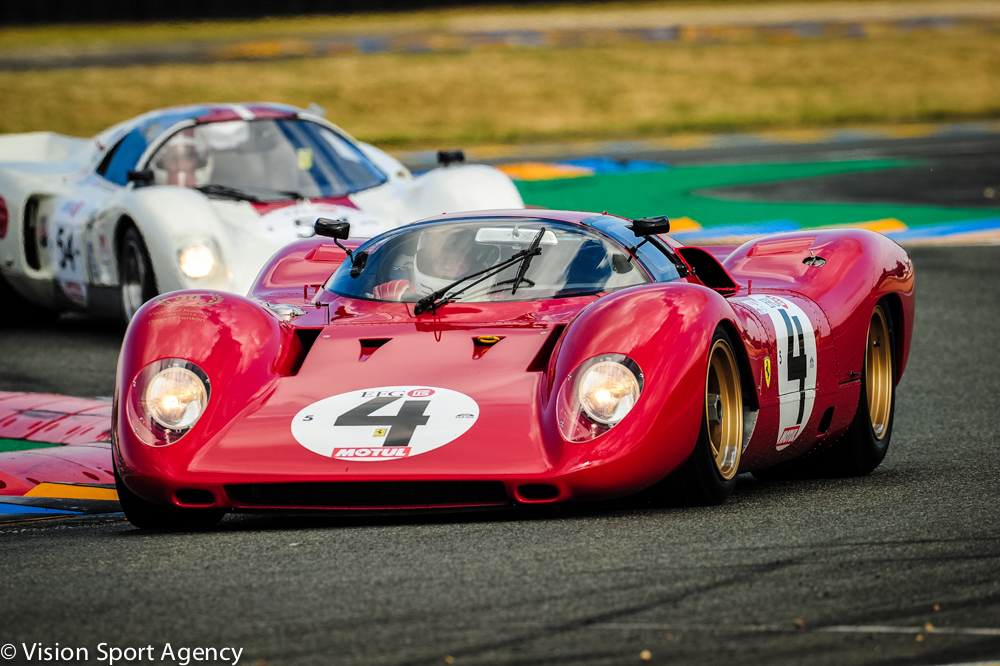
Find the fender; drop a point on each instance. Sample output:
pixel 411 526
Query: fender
pixel 241 347
pixel 678 317
pixel 296 272
pixel 464 188
pixel 192 218
pixel 846 294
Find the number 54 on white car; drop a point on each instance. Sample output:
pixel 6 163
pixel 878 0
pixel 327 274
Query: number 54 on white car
pixel 200 197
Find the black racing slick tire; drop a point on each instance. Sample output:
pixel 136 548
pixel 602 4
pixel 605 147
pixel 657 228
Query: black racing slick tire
pixel 148 516
pixel 709 475
pixel 137 283
pixel 864 445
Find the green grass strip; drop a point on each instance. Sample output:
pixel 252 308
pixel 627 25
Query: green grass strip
pixel 670 193
pixel 8 445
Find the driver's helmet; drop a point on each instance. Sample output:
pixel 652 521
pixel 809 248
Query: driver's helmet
pixel 183 160
pixel 446 254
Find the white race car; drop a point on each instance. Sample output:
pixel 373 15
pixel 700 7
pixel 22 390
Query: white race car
pixel 200 197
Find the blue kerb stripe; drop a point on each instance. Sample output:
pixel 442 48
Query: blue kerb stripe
pixel 949 229
pixel 603 166
pixel 21 508
pixel 751 228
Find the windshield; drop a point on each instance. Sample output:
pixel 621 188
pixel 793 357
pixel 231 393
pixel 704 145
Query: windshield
pixel 269 159
pixel 406 265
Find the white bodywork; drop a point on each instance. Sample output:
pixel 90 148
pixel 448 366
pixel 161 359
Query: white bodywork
pixel 64 253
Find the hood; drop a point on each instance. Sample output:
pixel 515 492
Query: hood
pixel 384 395
pixel 257 230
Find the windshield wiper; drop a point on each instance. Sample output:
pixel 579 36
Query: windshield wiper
pixel 229 192
pixel 523 268
pixel 436 299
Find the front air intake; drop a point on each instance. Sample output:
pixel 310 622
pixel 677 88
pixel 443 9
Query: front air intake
pixel 370 494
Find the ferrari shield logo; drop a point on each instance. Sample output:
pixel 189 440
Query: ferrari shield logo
pixel 767 371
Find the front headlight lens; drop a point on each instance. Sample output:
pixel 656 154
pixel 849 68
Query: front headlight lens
pixel 597 395
pixel 196 261
pixel 607 391
pixel 175 398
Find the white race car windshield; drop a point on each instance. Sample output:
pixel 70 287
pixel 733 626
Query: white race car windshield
pixel 268 158
pixel 409 264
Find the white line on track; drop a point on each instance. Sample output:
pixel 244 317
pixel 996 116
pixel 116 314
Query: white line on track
pixel 838 629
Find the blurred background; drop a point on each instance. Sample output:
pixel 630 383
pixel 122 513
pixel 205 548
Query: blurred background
pixel 426 74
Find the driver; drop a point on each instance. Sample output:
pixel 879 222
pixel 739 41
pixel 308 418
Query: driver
pixel 443 256
pixel 183 160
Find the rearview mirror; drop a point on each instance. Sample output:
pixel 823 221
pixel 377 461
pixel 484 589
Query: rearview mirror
pixel 141 178
pixel 647 226
pixel 333 228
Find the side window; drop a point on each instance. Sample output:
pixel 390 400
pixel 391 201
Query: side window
pixel 123 157
pixel 102 168
pixel 658 263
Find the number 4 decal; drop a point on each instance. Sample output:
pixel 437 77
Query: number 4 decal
pixel 795 341
pixel 796 359
pixel 401 426
pixel 384 423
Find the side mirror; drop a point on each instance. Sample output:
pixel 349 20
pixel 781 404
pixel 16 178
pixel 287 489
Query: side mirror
pixel 446 157
pixel 141 178
pixel 648 226
pixel 336 229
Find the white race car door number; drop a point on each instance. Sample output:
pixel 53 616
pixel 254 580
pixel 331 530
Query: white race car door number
pixel 796 345
pixel 67 239
pixel 384 423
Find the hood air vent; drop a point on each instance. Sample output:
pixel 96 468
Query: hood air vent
pixel 541 361
pixel 370 346
pixel 483 343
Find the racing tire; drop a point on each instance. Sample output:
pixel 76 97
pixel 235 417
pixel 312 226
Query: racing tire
pixel 709 475
pixel 148 516
pixel 863 447
pixel 137 283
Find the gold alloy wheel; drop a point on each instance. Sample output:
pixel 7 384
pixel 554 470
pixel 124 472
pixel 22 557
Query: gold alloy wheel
pixel 878 373
pixel 724 409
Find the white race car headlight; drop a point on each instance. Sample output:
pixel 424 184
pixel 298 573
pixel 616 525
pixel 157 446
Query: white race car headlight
pixel 166 400
pixel 597 395
pixel 607 391
pixel 196 261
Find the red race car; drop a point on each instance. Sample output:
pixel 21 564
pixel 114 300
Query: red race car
pixel 511 357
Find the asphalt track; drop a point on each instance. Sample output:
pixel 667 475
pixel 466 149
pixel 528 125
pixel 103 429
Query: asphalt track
pixel 902 567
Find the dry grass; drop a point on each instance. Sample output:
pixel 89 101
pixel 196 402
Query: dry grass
pixel 529 95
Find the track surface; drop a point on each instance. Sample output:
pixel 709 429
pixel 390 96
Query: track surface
pixel 852 559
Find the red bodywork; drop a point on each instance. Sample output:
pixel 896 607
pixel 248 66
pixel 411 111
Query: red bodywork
pixel 261 375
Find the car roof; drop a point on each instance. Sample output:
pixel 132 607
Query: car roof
pixel 153 123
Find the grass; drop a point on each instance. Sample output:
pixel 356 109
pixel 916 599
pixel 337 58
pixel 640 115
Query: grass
pixel 525 95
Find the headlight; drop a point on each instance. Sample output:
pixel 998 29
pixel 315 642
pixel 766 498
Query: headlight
pixel 196 261
pixel 608 391
pixel 597 395
pixel 166 399
pixel 175 398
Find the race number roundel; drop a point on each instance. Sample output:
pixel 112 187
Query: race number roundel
pixel 385 423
